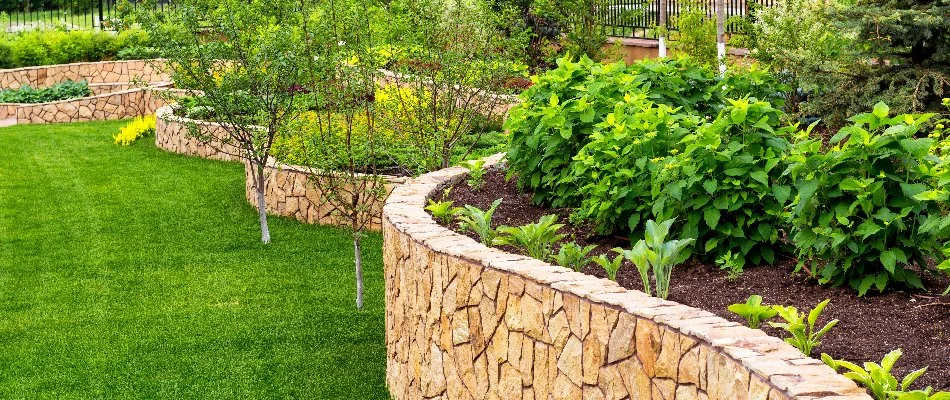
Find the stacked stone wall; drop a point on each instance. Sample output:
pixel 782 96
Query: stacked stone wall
pixel 464 321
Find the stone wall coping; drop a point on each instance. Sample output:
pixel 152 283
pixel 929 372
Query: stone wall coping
pixel 40 67
pixel 779 364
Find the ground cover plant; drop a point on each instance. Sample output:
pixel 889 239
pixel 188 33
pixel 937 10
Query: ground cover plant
pixel 130 272
pixel 66 90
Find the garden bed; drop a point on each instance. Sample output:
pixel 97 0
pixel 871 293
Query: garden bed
pixel 870 327
pixel 467 321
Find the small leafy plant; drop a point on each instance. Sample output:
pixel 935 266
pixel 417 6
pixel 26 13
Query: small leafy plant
pixel 444 211
pixel 611 266
pixel 479 221
pixel 573 256
pixel 733 264
pixel 476 172
pixel 61 91
pixel 882 384
pixel 536 239
pixel 804 336
pixel 753 311
pixel 657 254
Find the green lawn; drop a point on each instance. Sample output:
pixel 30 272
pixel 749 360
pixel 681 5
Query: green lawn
pixel 135 273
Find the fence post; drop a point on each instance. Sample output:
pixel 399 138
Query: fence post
pixel 721 34
pixel 100 13
pixel 663 27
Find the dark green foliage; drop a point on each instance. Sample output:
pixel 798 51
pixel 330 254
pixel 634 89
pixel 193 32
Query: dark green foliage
pixel 61 91
pixel 902 56
pixel 871 206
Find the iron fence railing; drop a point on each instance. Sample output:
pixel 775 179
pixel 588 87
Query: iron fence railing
pixel 640 18
pixel 20 15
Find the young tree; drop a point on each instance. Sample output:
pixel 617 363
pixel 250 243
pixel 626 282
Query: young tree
pixel 242 58
pixel 341 147
pixel 454 85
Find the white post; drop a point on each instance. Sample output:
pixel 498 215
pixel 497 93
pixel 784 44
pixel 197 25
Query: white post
pixel 663 5
pixel 721 35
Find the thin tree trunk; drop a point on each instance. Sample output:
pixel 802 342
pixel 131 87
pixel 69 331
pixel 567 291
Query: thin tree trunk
pixel 261 203
pixel 359 271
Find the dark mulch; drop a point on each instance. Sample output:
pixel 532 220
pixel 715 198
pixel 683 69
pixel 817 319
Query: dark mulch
pixel 870 327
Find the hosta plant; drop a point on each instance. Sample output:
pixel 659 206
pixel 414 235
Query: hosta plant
pixel 873 204
pixel 573 256
pixel 476 172
pixel 474 219
pixel 882 384
pixel 444 211
pixel 659 254
pixel 610 266
pixel 537 239
pixel 802 328
pixel 754 311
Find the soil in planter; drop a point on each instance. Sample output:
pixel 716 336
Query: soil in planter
pixel 870 327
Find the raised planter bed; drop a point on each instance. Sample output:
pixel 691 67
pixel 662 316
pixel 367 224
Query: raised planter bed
pixel 464 321
pixel 121 89
pixel 288 191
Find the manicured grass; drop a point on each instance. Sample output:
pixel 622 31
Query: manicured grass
pixel 134 273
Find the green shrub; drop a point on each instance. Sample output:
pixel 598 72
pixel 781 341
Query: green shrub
pixel 61 91
pixel 802 328
pixel 561 112
pixel 882 384
pixel 727 183
pixel 873 204
pixel 753 311
pixel 47 47
pixel 537 240
pixel 656 254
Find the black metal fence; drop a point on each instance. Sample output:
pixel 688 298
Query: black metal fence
pixel 19 15
pixel 639 18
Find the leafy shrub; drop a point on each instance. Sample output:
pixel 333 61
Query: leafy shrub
pixel 873 204
pixel 573 256
pixel 61 91
pixel 658 255
pixel 727 183
pixel 536 239
pixel 882 384
pixel 804 336
pixel 476 172
pixel 138 128
pixel 479 221
pixel 45 47
pixel 753 311
pixel 559 114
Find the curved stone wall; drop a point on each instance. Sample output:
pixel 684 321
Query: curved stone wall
pixel 172 134
pixel 289 192
pixel 464 321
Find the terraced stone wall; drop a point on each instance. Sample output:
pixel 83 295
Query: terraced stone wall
pixel 464 321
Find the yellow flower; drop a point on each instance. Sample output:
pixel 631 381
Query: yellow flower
pixel 138 128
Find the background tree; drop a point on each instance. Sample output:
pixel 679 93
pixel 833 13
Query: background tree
pixel 902 56
pixel 241 56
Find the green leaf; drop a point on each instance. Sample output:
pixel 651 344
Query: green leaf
pixel 889 260
pixel 781 193
pixel 881 110
pixel 710 185
pixel 760 176
pixel 711 216
pixel 917 147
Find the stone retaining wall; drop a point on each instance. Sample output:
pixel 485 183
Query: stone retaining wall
pixel 289 192
pixel 464 321
pixel 92 72
pixel 172 134
pixel 105 106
